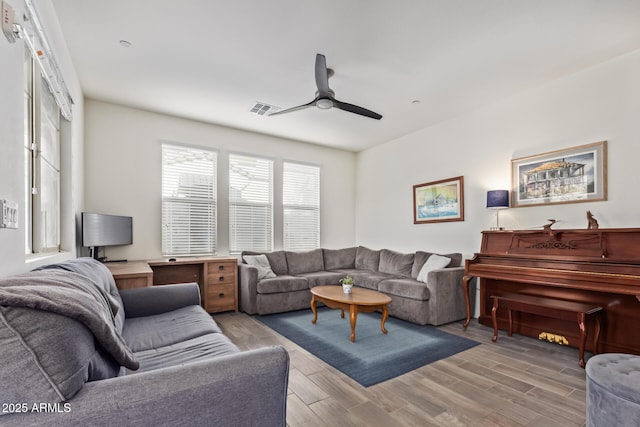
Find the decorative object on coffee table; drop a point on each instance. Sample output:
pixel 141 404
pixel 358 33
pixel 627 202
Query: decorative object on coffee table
pixel 347 284
pixel 360 300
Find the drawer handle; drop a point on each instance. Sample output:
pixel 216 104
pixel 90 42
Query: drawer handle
pixel 221 267
pixel 221 295
pixel 221 278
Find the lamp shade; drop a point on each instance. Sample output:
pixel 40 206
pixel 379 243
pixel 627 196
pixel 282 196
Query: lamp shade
pixel 498 199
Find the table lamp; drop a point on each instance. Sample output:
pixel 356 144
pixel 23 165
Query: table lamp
pixel 498 199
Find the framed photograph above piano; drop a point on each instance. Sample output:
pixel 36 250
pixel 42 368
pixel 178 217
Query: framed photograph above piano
pixel 571 175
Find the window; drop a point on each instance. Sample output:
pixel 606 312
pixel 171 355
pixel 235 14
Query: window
pixel 301 206
pixel 250 203
pixel 42 163
pixel 189 191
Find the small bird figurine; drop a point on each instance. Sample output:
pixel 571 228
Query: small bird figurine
pixel 547 227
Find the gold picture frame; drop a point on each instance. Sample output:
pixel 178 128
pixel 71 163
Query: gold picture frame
pixel 571 175
pixel 439 201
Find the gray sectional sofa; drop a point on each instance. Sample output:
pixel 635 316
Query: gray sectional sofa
pixel 76 351
pixel 440 300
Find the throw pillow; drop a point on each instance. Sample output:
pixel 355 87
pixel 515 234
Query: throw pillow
pixel 262 264
pixel 434 262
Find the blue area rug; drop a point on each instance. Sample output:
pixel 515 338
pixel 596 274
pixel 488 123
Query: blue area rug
pixel 374 357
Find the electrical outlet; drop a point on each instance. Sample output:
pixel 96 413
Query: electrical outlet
pixel 9 214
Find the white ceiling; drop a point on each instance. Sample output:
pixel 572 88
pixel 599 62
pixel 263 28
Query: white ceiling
pixel 211 60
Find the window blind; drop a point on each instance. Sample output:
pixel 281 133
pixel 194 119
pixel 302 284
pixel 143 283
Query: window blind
pixel 301 206
pixel 250 203
pixel 189 191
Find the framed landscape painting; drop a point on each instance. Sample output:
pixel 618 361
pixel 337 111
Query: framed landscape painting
pixel 572 175
pixel 439 201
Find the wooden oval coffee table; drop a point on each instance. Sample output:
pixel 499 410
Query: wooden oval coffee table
pixel 359 300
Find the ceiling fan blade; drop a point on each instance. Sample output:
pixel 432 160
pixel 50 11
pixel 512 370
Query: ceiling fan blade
pixel 356 109
pixel 322 76
pixel 299 107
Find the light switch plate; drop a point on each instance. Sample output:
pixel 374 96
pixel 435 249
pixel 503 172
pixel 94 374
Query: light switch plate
pixel 9 217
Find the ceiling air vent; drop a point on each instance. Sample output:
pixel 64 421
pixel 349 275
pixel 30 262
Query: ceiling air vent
pixel 262 109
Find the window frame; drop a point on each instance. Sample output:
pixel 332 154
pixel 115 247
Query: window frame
pixel 42 163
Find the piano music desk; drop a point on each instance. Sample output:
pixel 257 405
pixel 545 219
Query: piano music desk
pixel 549 307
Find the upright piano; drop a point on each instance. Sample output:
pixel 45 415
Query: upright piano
pixel 598 266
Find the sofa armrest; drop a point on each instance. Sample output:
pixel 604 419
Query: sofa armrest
pixel 139 302
pixel 248 288
pixel 243 389
pixel 447 303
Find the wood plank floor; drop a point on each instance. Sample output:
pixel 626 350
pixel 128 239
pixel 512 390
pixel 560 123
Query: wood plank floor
pixel 517 381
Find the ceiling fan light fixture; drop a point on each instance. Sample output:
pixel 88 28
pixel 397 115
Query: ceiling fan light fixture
pixel 324 103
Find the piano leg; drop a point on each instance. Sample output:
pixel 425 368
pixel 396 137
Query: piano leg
pixel 510 322
pixel 596 333
pixel 494 318
pixel 465 290
pixel 583 338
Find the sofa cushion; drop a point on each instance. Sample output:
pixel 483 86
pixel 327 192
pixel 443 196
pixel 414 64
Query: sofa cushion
pixel 204 347
pixel 396 263
pixel 406 288
pixel 47 357
pixel 161 330
pixel 367 259
pixel 261 262
pixel 280 284
pixel 277 260
pixel 305 262
pixel 421 258
pixel 365 278
pixel 434 262
pixel 322 278
pixel 339 258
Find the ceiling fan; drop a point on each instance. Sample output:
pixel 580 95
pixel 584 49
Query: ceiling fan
pixel 325 96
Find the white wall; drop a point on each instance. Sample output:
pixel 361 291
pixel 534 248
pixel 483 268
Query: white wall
pixel 12 187
pixel 123 173
pixel 11 137
pixel 601 103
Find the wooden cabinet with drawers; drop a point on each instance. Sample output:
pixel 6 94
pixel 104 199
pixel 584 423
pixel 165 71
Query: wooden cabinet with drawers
pixel 220 291
pixel 217 278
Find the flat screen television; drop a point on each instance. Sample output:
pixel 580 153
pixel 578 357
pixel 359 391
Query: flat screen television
pixel 99 230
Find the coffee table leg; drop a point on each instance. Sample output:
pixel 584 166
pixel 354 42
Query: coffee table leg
pixel 385 314
pixel 353 315
pixel 313 308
